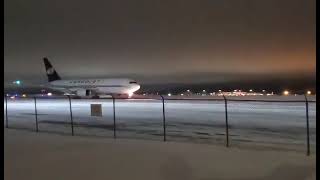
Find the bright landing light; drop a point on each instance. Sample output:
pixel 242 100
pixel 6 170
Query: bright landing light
pixel 286 92
pixel 49 94
pixel 18 82
pixel 308 92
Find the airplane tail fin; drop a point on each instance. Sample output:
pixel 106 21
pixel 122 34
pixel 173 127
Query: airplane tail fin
pixel 51 72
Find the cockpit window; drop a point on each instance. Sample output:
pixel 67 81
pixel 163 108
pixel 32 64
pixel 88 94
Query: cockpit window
pixel 132 82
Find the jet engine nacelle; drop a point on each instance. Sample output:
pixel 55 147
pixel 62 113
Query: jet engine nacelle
pixel 83 92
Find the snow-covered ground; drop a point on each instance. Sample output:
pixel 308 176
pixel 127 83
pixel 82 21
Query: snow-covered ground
pixel 32 156
pixel 281 123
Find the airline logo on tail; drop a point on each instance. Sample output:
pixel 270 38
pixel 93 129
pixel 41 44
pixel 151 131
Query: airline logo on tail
pixel 51 72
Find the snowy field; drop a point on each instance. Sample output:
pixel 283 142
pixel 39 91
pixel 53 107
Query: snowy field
pixel 44 156
pixel 279 124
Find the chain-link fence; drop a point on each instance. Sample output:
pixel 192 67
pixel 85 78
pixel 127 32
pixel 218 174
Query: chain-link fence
pixel 276 122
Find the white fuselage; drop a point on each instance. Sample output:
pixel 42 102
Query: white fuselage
pixel 98 86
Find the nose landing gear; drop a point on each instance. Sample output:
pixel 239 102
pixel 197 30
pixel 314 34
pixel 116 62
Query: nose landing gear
pixel 95 97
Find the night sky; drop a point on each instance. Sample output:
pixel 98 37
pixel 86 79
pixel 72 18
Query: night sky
pixel 165 41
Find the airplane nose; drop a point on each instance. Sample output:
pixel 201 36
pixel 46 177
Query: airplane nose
pixel 137 87
pixel 134 87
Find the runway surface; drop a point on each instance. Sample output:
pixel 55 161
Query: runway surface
pixel 279 124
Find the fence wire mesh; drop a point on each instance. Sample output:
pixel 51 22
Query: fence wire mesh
pixel 274 122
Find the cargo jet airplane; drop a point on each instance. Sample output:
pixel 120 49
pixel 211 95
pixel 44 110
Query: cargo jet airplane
pixel 90 87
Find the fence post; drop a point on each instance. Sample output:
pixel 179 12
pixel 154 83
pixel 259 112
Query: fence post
pixel 164 119
pixel 36 113
pixel 114 117
pixel 307 122
pixel 227 124
pixel 7 126
pixel 71 117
